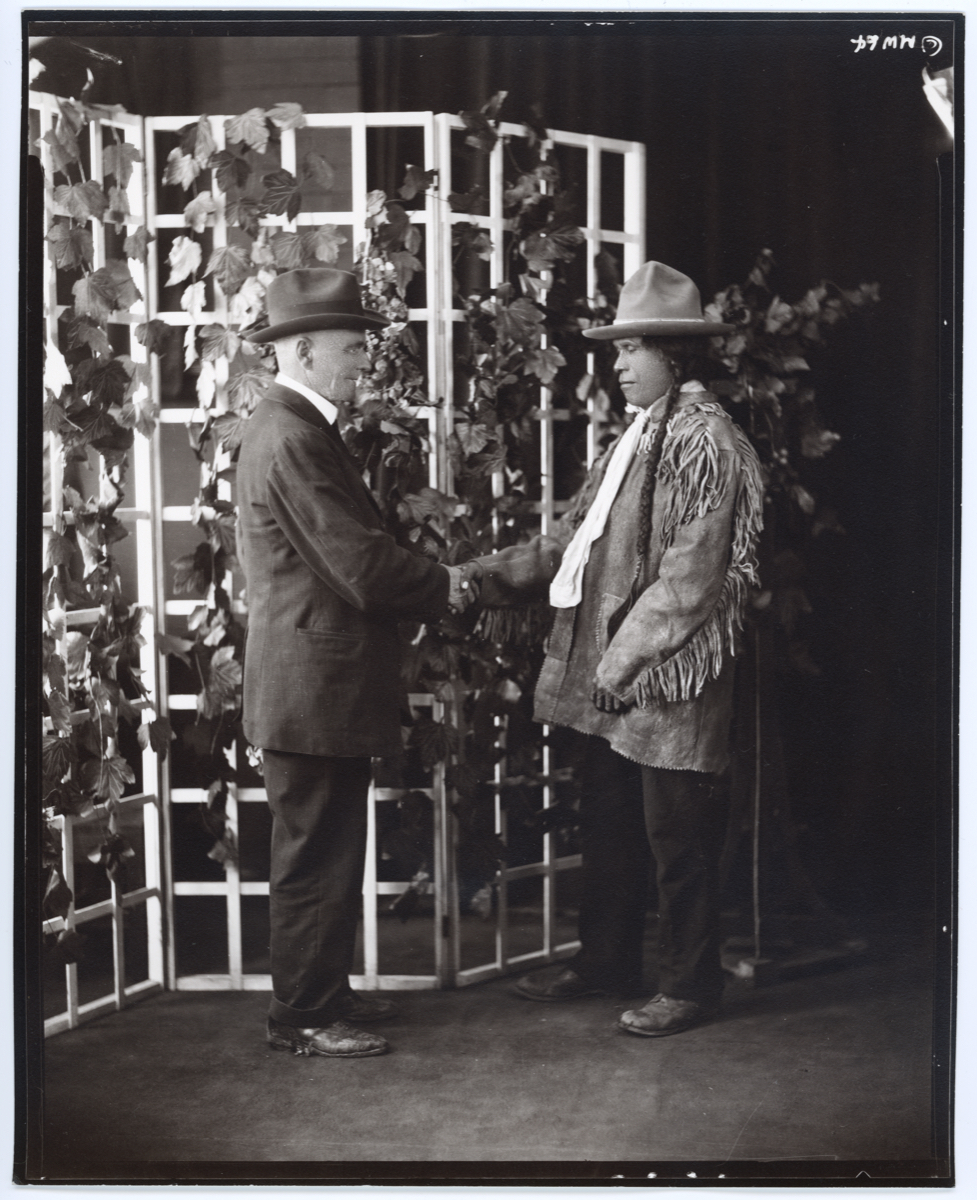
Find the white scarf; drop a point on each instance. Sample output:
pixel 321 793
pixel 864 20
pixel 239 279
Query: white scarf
pixel 566 589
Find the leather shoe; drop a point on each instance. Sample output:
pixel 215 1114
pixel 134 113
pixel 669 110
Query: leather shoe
pixel 338 1040
pixel 355 1007
pixel 663 1015
pixel 566 984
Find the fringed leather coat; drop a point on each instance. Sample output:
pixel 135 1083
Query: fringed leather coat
pixel 660 631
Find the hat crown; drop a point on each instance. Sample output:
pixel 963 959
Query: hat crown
pixel 312 298
pixel 656 292
pixel 309 290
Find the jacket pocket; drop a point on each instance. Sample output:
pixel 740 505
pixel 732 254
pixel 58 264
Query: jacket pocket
pixel 613 610
pixel 327 633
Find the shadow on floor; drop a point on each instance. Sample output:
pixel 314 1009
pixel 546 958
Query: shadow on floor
pixel 826 1069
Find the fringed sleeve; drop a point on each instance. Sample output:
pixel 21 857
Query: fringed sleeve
pixel 683 625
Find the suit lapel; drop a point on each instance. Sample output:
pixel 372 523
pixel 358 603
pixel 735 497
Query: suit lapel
pixel 308 412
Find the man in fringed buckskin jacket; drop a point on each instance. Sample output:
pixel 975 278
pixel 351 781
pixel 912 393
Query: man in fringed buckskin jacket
pixel 649 599
pixel 326 586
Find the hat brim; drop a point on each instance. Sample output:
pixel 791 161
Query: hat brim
pixel 651 328
pixel 313 322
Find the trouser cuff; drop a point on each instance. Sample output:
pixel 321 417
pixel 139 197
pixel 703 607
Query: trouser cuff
pixel 303 1018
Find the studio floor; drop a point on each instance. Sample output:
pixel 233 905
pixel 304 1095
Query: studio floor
pixel 829 1068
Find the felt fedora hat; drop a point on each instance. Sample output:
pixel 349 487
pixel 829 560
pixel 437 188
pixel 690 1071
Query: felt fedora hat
pixel 658 301
pixel 311 298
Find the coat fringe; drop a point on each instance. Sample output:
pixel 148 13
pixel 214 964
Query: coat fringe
pixel 700 474
pixel 527 624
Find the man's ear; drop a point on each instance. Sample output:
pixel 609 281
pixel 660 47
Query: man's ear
pixel 303 351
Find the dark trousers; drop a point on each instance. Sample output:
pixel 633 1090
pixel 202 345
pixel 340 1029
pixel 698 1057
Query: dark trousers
pixel 629 815
pixel 318 846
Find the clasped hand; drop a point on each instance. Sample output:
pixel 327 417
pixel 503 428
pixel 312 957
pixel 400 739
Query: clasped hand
pixel 465 586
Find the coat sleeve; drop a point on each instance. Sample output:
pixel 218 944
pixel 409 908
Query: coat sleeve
pixel 670 611
pixel 309 501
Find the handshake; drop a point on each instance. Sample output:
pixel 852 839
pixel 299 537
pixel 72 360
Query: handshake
pixel 465 586
pixel 517 575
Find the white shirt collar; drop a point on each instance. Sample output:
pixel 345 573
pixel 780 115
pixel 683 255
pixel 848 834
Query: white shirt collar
pixel 326 407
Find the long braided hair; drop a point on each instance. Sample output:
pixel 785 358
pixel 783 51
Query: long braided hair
pixel 686 360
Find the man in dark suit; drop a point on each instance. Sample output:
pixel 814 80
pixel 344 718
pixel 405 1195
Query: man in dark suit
pixel 326 587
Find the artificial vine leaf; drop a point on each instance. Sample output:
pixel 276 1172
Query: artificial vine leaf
pixel 154 335
pixel 229 429
pixel 82 200
pixel 472 437
pixel 436 740
pixel 200 212
pixel 287 115
pixel 247 388
pixel 60 711
pixel 64 146
pixel 219 342
pixel 184 258
pixel 137 243
pixel 95 295
pixel 250 127
pixel 406 267
pixel 179 647
pixel 223 684
pixel 230 267
pixel 71 245
pixel 544 363
pixel 232 171
pixel 82 331
pixel 393 231
pixel 323 243
pixel 416 181
pixel 282 194
pixel 428 502
pixel 54 419
pixel 247 303
pixel 140 413
pixel 197 140
pixel 520 322
pixel 107 778
pixel 551 244
pixel 181 169
pixel 472 238
pixel 117 160
pixel 58 550
pixel 57 757
pixel 126 292
pixel 118 208
pixel 466 202
pixel 482 134
pixel 57 897
pixel 192 301
pixel 193 572
pixel 157 736
pixel 288 249
pixel 244 213
pixel 318 171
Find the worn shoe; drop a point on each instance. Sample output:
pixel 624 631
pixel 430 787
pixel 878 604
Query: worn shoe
pixel 338 1040
pixel 548 986
pixel 355 1007
pixel 663 1015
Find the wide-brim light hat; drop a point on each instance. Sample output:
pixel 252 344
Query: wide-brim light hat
pixel 658 301
pixel 311 298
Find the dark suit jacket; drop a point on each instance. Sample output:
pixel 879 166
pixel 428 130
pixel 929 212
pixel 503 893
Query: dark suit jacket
pixel 326 587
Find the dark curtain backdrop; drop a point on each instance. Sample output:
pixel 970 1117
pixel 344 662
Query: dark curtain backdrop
pixel 790 140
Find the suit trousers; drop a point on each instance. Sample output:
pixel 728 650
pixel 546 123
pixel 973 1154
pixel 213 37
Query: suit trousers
pixel 318 847
pixel 631 816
